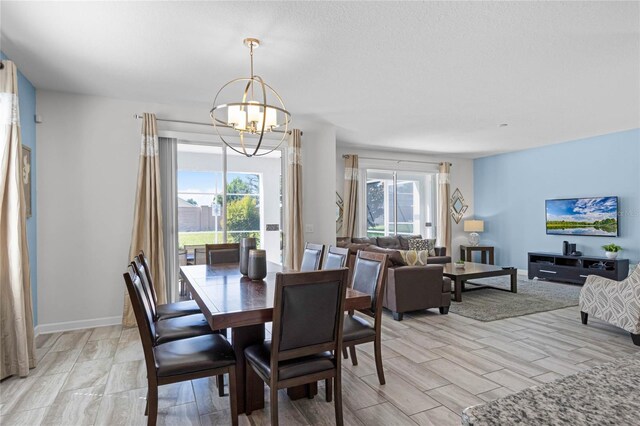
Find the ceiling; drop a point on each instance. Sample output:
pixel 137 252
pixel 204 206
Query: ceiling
pixel 436 77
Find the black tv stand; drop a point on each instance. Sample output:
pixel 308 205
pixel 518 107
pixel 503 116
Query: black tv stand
pixel 575 269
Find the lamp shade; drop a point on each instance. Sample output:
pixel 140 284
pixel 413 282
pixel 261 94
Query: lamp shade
pixel 474 226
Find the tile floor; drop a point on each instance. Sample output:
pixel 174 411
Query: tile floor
pixel 435 366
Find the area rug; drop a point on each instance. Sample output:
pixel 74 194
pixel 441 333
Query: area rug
pixel 533 296
pixel 604 395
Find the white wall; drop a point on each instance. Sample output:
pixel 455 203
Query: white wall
pixel 461 177
pixel 88 164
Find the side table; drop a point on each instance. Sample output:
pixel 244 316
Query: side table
pixel 466 253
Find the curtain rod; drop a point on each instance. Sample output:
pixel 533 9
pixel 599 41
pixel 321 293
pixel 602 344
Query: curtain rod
pixel 139 117
pixel 397 161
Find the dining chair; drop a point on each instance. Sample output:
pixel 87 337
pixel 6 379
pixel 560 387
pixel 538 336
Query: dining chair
pixel 336 258
pixel 200 256
pixel 166 310
pixel 369 276
pixel 186 319
pixel 180 360
pixel 306 336
pixel 222 253
pixel 312 257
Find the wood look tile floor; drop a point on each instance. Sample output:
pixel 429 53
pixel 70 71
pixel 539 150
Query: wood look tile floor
pixel 435 366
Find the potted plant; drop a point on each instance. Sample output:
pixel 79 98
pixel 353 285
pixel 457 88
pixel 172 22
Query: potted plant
pixel 459 264
pixel 611 250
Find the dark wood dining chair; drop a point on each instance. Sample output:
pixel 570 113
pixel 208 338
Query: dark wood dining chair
pixel 312 257
pixel 222 253
pixel 308 313
pixel 369 276
pixel 185 318
pixel 174 328
pixel 180 360
pixel 336 258
pixel 166 310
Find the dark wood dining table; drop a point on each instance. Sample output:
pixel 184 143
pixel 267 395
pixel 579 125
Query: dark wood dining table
pixel 231 300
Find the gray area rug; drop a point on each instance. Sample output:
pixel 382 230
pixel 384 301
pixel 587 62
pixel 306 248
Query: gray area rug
pixel 533 296
pixel 604 395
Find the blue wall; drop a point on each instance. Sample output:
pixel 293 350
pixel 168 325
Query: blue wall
pixel 510 191
pixel 27 99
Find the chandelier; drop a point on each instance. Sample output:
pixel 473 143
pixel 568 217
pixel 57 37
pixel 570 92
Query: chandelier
pixel 250 112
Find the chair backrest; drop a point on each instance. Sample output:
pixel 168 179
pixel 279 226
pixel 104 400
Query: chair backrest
pixel 369 276
pixel 308 314
pixel 144 317
pixel 336 258
pixel 182 257
pixel 147 284
pixel 147 269
pixel 222 253
pixel 312 257
pixel 199 256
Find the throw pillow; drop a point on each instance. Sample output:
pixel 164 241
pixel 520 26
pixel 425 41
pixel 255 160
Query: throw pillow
pixel 394 259
pixel 427 244
pixel 414 257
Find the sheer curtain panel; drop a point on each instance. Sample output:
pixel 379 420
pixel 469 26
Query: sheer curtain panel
pixel 351 174
pixel 16 312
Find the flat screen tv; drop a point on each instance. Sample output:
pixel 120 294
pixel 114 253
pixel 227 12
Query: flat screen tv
pixel 583 216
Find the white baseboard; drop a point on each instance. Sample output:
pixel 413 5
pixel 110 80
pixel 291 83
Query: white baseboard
pixel 55 327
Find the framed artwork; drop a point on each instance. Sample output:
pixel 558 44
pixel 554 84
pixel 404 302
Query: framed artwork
pixel 26 177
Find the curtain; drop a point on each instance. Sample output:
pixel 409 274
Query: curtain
pixel 16 312
pixel 168 155
pixel 444 219
pixel 147 219
pixel 350 195
pixel 294 237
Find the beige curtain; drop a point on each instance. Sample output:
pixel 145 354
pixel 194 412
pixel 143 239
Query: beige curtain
pixel 350 195
pixel 294 237
pixel 147 219
pixel 444 218
pixel 16 311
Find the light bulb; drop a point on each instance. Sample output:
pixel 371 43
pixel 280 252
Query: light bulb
pixel 233 115
pixel 272 118
pixel 241 124
pixel 253 112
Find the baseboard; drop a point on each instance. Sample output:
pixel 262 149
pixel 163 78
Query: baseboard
pixel 524 272
pixel 55 327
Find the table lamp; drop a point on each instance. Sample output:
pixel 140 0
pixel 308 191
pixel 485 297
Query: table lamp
pixel 474 226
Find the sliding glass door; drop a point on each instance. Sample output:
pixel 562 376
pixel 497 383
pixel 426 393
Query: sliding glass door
pixel 223 197
pixel 399 203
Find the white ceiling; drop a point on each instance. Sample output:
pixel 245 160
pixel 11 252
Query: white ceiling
pixel 432 77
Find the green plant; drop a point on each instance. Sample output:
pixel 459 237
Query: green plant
pixel 612 247
pixel 460 262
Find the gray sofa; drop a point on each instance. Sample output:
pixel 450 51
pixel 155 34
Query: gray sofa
pixel 409 288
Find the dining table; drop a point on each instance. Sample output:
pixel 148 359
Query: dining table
pixel 230 300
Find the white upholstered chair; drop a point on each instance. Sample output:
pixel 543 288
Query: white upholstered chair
pixel 616 302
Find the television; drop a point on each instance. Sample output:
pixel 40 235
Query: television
pixel 597 217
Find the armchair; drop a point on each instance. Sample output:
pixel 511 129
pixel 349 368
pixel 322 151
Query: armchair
pixel 616 302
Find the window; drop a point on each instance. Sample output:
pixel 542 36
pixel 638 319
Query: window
pixel 399 203
pixel 206 217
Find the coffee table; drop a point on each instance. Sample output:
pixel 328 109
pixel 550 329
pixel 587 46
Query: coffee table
pixel 474 270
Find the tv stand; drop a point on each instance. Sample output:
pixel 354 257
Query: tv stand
pixel 575 269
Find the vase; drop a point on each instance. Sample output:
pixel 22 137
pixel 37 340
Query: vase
pixel 611 254
pixel 246 244
pixel 257 268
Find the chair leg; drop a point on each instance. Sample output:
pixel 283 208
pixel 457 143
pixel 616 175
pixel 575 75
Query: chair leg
pixel 354 357
pixel 345 355
pixel 378 353
pixel 233 397
pixel 153 405
pixel 636 339
pixel 274 405
pixel 220 384
pixel 327 389
pixel 338 400
pixel 584 317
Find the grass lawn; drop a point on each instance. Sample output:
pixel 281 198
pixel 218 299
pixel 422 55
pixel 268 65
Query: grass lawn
pixel 198 238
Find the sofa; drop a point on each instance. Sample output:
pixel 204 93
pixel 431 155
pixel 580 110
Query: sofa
pixel 409 288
